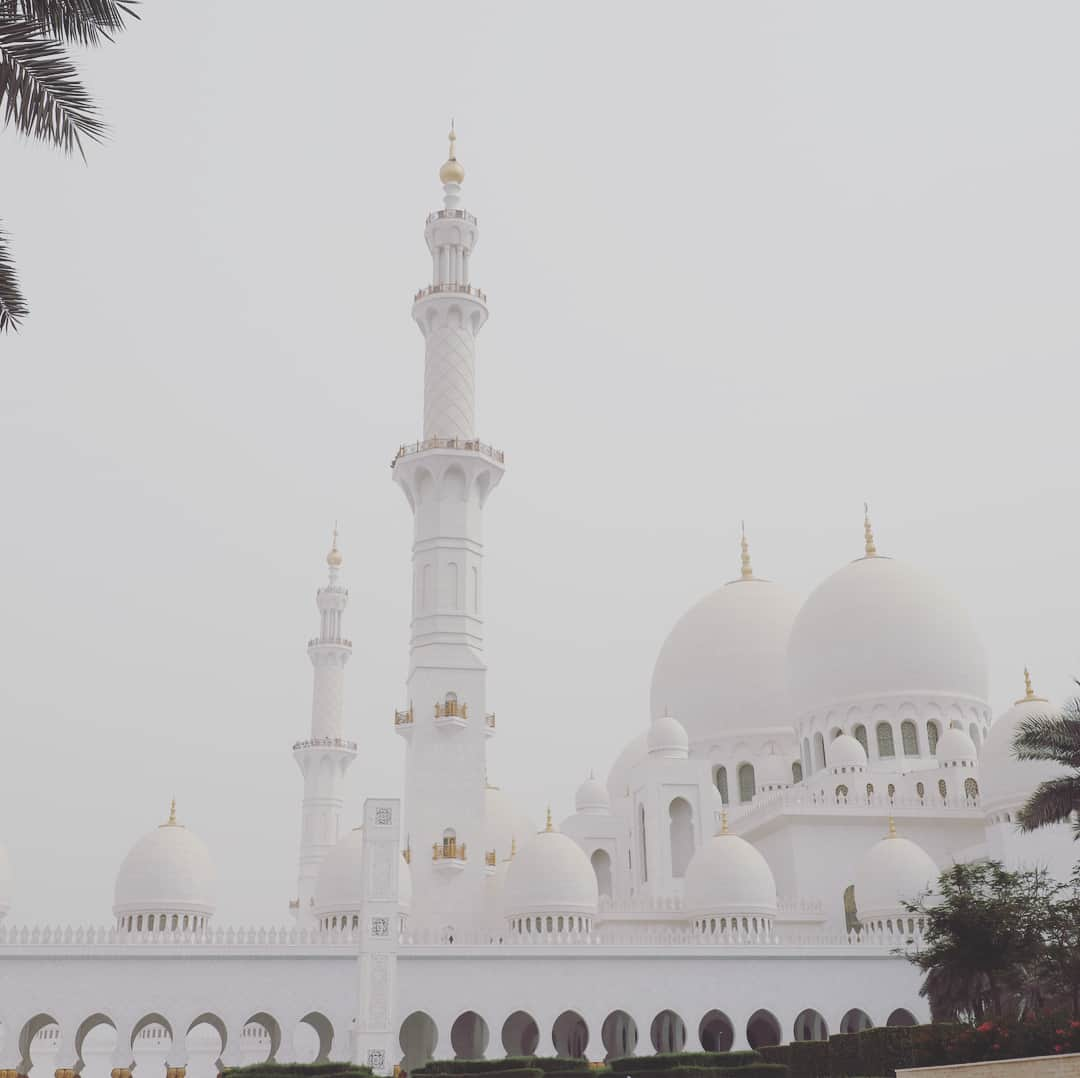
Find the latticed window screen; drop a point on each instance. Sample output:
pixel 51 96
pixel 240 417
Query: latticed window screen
pixel 796 772
pixel 971 788
pixel 909 738
pixel 942 789
pixel 885 746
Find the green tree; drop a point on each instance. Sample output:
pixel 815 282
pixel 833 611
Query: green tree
pixel 41 94
pixel 1061 959
pixel 982 946
pixel 1055 738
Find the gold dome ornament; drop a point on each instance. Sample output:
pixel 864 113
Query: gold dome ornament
pixel 452 172
pixel 334 558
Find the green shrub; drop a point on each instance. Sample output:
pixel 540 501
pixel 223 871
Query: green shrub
pixel 298 1070
pixel 682 1060
pixel 749 1070
pixel 491 1072
pixel 809 1059
pixel 776 1053
pixel 844 1055
pixel 547 1064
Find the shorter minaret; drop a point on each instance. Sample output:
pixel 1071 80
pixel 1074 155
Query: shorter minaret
pixel 325 756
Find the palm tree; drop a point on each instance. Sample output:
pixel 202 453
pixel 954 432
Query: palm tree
pixel 41 94
pixel 1054 738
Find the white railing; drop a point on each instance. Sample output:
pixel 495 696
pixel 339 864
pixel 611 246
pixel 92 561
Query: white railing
pixel 469 445
pixel 458 289
pixel 825 802
pixel 337 641
pixel 326 743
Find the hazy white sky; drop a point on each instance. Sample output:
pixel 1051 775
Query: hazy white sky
pixel 743 260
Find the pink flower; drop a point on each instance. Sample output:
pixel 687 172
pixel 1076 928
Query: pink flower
pixel 986 1027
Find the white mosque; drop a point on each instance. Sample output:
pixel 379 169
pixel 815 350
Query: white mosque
pixel 737 880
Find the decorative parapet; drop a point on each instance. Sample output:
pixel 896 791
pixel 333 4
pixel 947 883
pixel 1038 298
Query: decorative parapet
pixel 458 214
pixel 71 936
pixel 326 743
pixel 457 289
pixel 332 641
pixel 451 710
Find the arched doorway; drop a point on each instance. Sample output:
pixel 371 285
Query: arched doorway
pixel 324 1030
pixel 681 828
pixel 151 1041
pixel 667 1033
pixel 763 1029
pixel 205 1041
pixel 95 1046
pixel 601 863
pixel 263 1040
pixel 469 1036
pixel 39 1039
pixel 520 1034
pixel 716 1032
pixel 855 1021
pixel 417 1038
pixel 619 1035
pixel 810 1026
pixel 570 1035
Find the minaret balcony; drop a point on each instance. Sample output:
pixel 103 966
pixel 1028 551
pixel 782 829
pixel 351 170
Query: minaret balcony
pixel 327 743
pixel 489 724
pixel 466 445
pixel 451 713
pixel 459 215
pixel 449 856
pixel 330 641
pixel 403 723
pixel 454 289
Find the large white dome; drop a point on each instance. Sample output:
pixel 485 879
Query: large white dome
pixel 722 668
pixel 893 870
pixel 878 627
pixel 550 874
pixel 1005 781
pixel 728 876
pixel 168 870
pixel 6 881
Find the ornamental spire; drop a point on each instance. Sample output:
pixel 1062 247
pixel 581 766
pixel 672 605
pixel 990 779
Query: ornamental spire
pixel 171 821
pixel 747 569
pixel 723 822
pixel 1029 692
pixel 334 558
pixel 451 171
pixel 550 826
pixel 868 532
pixel 892 828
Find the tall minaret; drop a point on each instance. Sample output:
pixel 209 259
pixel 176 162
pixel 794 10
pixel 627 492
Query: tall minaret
pixel 324 758
pixel 447 477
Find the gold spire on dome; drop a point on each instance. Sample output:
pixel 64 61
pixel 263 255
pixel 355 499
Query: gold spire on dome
pixel 171 821
pixel 723 822
pixel 747 570
pixel 550 826
pixel 452 172
pixel 1029 692
pixel 892 828
pixel 513 847
pixel 334 558
pixel 868 532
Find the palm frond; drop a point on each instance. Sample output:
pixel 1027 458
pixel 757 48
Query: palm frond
pixel 82 22
pixel 1052 802
pixel 13 307
pixel 40 91
pixel 1049 737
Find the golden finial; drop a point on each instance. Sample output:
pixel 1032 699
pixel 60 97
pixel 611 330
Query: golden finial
pixel 334 559
pixel 171 822
pixel 868 531
pixel 452 172
pixel 723 822
pixel 1029 692
pixel 513 847
pixel 747 571
pixel 550 826
pixel 407 852
pixel 892 828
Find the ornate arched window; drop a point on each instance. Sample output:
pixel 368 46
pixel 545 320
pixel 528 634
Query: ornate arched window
pixel 720 778
pixel 841 792
pixel 869 790
pixel 682 835
pixel 942 789
pixel 859 733
pixel 885 746
pixel 746 782
pixel 973 733
pixel 819 752
pixel 932 735
pixel 920 790
pixel 796 772
pixel 971 789
pixel 909 738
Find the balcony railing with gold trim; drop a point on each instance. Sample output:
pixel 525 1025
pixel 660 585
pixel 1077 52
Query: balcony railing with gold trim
pixel 489 720
pixel 337 641
pixel 451 710
pixel 326 743
pixel 489 858
pixel 403 718
pixel 448 850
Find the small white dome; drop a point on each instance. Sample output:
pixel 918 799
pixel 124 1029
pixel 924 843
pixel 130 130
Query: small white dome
pixel 632 754
pixel 723 667
pixel 7 881
pixel 550 874
pixel 771 769
pixel 168 870
pixel 1005 781
pixel 504 823
pixel 667 738
pixel 954 745
pixel 728 876
pixel 845 751
pixel 893 870
pixel 592 797
pixel 877 628
pixel 339 887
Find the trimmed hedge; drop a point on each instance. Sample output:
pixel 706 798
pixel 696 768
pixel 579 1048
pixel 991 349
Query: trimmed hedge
pixel 516 1072
pixel 546 1064
pixel 298 1070
pixel 682 1061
